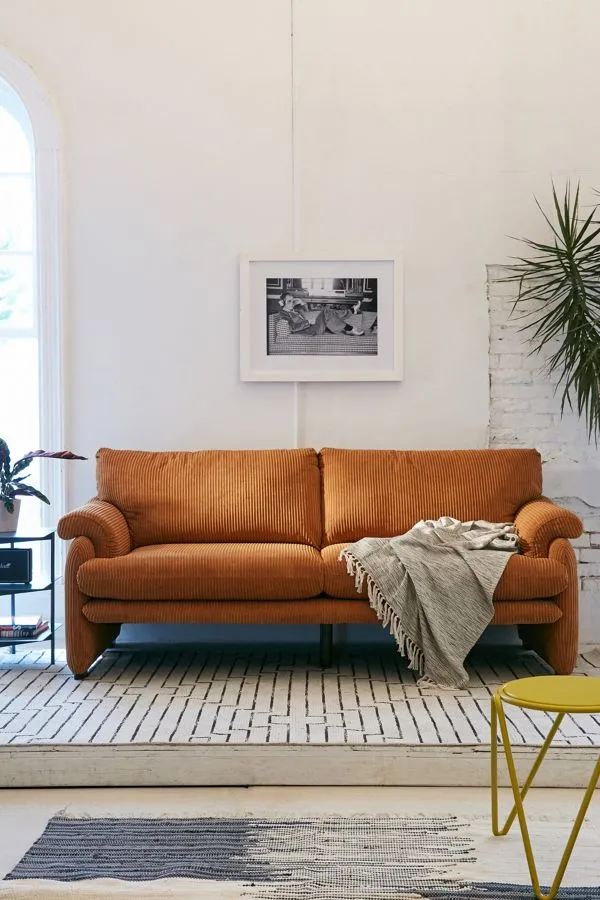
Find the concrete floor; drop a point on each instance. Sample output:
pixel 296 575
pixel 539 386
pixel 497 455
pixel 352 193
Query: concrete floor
pixel 24 814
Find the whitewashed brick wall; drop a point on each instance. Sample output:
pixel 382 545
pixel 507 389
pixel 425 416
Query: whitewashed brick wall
pixel 525 412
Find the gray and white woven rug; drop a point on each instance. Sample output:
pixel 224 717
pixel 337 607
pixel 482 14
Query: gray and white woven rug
pixel 335 858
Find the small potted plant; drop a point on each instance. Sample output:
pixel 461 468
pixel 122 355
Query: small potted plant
pixel 13 484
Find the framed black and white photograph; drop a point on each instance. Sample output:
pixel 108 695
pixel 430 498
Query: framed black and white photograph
pixel 313 318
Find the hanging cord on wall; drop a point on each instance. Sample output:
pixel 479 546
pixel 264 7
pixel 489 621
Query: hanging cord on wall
pixel 295 203
pixel 295 199
pixel 296 414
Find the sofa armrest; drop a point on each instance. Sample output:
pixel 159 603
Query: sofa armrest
pixel 540 522
pixel 102 523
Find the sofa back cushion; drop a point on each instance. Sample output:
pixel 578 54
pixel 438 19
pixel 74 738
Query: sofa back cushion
pixel 214 496
pixel 380 493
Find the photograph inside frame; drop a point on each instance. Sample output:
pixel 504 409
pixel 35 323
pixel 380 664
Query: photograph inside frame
pixel 321 316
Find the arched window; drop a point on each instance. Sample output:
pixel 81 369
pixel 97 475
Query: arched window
pixel 30 357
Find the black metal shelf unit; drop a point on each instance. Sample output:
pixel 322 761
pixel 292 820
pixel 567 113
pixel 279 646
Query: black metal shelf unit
pixel 38 583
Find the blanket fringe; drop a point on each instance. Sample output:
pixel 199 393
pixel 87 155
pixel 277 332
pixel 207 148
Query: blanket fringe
pixel 386 616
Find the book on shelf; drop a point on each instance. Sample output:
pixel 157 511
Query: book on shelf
pixel 7 633
pixel 22 631
pixel 21 621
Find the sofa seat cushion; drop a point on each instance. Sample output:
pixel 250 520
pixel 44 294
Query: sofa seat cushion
pixel 384 492
pixel 525 577
pixel 206 572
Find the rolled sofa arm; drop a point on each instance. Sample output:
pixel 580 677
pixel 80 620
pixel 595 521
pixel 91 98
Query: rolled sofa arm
pixel 102 523
pixel 540 522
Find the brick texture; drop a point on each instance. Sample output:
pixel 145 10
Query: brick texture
pixel 525 412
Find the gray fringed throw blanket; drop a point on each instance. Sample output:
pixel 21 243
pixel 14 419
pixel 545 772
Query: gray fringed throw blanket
pixel 432 588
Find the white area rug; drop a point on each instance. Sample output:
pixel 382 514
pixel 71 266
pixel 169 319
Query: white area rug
pixel 267 696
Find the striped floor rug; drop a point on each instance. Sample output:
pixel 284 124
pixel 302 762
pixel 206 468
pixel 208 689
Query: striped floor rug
pixel 333 858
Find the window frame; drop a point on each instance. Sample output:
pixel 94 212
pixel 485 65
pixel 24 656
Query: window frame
pixel 48 266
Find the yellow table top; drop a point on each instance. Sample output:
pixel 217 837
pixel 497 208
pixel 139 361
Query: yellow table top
pixel 555 693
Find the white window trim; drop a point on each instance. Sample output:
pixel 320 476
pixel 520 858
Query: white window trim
pixel 48 280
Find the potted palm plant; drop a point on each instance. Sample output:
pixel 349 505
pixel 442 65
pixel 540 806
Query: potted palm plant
pixel 559 283
pixel 13 484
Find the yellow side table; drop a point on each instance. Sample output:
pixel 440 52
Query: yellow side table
pixel 558 694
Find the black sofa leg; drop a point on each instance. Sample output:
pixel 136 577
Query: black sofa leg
pixel 326 645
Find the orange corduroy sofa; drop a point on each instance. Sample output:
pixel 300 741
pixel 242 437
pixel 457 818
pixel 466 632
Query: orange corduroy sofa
pixel 254 536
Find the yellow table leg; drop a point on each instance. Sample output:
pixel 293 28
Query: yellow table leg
pixel 497 715
pixel 496 709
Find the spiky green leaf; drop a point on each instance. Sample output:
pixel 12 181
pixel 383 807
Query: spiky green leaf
pixel 562 279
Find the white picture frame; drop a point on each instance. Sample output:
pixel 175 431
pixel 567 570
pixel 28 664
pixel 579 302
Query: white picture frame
pixel 311 317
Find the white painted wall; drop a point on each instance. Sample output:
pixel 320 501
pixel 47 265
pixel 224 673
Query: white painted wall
pixel 423 126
